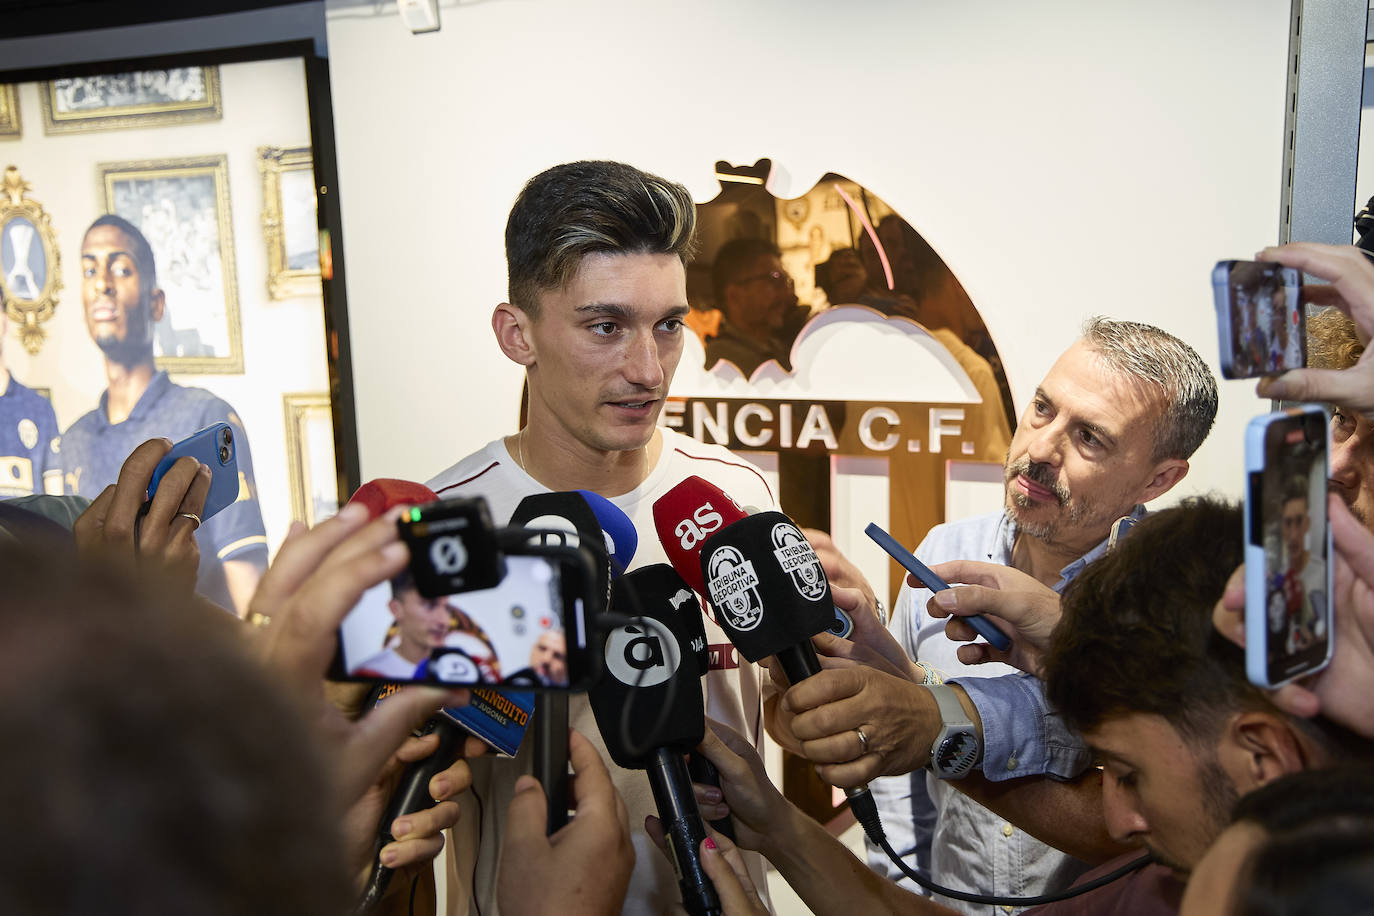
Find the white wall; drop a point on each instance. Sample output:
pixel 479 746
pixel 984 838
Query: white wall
pixel 1065 159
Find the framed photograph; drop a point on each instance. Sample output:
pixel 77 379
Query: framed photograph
pixel 30 263
pixel 310 456
pixel 289 221
pixel 182 207
pixel 144 98
pixel 10 126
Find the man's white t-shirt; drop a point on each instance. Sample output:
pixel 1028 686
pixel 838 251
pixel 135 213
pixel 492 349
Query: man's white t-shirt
pixel 733 689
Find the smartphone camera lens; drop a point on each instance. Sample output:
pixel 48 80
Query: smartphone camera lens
pixel 226 436
pixel 224 454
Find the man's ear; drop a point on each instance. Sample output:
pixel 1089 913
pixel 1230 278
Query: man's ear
pixel 1167 473
pixel 1259 747
pixel 157 304
pixel 511 325
pixel 394 606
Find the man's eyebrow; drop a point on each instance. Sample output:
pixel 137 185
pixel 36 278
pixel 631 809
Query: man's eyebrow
pixel 1097 429
pixel 615 310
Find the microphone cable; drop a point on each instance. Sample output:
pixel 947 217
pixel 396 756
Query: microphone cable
pixel 866 813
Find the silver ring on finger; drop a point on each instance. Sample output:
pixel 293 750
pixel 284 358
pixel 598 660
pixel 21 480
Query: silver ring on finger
pixel 863 739
pixel 192 516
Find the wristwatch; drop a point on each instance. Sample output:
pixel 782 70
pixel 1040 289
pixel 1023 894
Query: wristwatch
pixel 957 748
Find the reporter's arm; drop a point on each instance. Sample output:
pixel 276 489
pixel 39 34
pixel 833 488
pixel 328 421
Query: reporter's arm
pixel 825 874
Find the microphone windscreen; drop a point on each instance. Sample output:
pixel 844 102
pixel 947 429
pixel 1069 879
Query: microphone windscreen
pixel 385 492
pixel 766 584
pixel 619 532
pixel 685 516
pixel 567 512
pixel 643 668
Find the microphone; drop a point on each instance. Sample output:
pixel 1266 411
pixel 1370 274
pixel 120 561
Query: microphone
pixel 766 554
pixel 685 516
pixel 651 693
pixel 412 792
pixel 578 517
pixel 692 511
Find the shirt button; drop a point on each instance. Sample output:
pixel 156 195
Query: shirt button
pixel 1008 830
pixel 1011 763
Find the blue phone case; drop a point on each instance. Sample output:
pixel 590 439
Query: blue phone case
pixel 207 446
pixel 984 627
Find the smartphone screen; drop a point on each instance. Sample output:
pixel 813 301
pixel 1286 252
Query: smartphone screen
pixel 1261 324
pixel 1288 579
pixel 517 634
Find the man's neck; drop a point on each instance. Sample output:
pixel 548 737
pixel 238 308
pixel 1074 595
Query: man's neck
pixel 561 464
pixel 125 385
pixel 1044 560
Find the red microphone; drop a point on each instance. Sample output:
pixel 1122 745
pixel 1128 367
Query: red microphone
pixel 385 492
pixel 685 517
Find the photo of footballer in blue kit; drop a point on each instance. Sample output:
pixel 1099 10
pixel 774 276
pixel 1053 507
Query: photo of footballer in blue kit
pixel 123 303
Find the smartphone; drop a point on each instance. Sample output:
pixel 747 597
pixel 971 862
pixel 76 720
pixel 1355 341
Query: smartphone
pixel 984 627
pixel 212 446
pixel 1288 546
pixel 529 631
pixel 1261 324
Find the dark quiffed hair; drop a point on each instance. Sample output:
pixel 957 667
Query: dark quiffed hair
pixel 733 259
pixel 581 208
pixel 1317 855
pixel 142 251
pixel 150 765
pixel 1137 634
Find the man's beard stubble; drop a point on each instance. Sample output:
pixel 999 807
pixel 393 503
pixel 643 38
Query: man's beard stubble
pixel 1045 476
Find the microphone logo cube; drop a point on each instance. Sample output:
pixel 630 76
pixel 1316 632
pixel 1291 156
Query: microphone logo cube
pixel 692 531
pixel 798 559
pixel 733 585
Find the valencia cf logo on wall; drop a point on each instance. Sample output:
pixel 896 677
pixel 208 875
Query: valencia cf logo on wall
pixel 734 588
pixel 798 559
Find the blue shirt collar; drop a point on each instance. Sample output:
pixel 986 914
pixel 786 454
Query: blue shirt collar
pixel 1004 539
pixel 158 387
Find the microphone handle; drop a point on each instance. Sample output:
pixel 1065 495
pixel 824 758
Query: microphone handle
pixel 799 662
pixel 682 825
pixel 411 795
pixel 551 755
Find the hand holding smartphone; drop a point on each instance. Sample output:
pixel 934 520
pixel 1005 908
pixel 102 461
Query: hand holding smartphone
pixel 1288 547
pixel 984 627
pixel 212 446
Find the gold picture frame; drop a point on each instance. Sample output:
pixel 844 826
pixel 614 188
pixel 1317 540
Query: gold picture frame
pixel 11 127
pixel 182 208
pixel 310 456
pixel 142 98
pixel 290 225
pixel 30 276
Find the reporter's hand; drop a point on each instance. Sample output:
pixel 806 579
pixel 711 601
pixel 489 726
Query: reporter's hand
pixel 164 539
pixel 746 794
pixel 1017 604
pixel 1351 289
pixel 723 864
pixel 839 571
pixel 1341 690
pixel 899 719
pixel 584 868
pixel 317 578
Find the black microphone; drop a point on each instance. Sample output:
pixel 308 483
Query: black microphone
pixel 652 673
pixel 572 517
pixel 766 555
pixel 771 596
